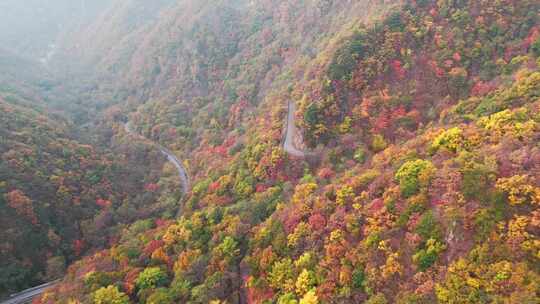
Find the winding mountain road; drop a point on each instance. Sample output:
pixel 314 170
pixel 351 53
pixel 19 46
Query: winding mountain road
pixel 182 173
pixel 184 178
pixel 291 132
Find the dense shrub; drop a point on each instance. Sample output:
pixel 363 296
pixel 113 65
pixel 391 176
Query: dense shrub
pixel 451 139
pixel 110 295
pixel 413 175
pixel 151 277
pixel 427 256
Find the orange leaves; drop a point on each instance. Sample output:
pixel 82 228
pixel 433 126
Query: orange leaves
pixel 186 259
pixel 381 122
pixel 266 259
pixel 326 173
pixel 235 112
pixel 160 255
pixel 22 205
pixel 129 280
pixel 457 72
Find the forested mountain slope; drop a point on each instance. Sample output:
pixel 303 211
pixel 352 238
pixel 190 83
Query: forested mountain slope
pixel 62 194
pixel 424 181
pixel 198 59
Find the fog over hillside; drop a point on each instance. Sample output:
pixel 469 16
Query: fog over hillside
pixel 31 27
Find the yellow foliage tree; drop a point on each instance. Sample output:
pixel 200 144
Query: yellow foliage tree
pixel 519 190
pixel 305 282
pixel 303 192
pixel 451 139
pixel 310 298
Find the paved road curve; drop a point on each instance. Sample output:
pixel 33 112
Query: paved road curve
pixel 291 132
pixel 28 295
pixel 182 173
pixel 184 178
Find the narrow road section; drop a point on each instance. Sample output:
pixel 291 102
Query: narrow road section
pixel 184 178
pixel 182 173
pixel 26 296
pixel 291 132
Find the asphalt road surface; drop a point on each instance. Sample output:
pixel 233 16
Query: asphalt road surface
pixel 291 132
pixel 182 173
pixel 184 178
pixel 26 296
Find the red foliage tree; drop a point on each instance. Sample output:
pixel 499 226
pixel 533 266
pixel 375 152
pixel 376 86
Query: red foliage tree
pixel 398 112
pixel 103 203
pixel 261 188
pixel 481 88
pixel 326 173
pixel 213 187
pixel 376 205
pixel 152 246
pixel 78 247
pixel 160 222
pixel 129 280
pixel 382 122
pixel 398 69
pixel 317 222
pixel 151 187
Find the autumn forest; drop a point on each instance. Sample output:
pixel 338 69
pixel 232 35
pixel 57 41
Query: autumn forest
pixel 270 151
